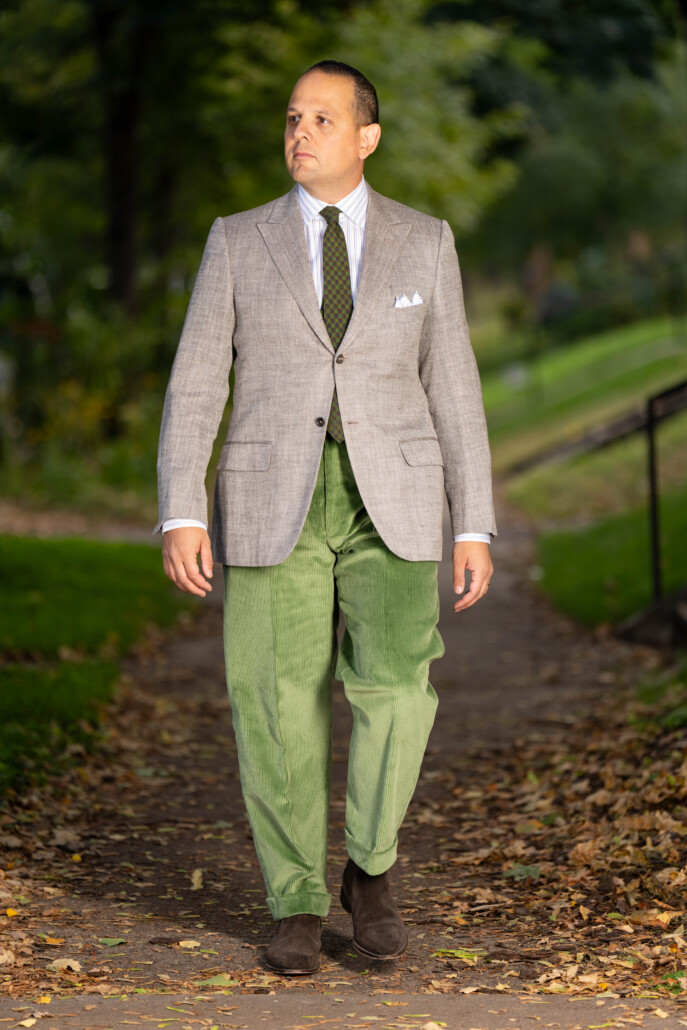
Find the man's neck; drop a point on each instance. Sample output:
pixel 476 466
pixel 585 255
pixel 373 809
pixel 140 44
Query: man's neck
pixel 333 194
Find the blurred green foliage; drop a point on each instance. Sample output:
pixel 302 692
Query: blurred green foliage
pixel 548 137
pixel 557 396
pixel 596 485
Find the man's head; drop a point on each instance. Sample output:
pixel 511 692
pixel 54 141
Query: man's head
pixel 331 127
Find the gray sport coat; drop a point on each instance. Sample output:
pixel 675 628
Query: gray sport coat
pixel 406 378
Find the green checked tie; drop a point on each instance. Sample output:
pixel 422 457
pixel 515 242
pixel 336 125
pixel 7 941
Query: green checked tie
pixel 337 299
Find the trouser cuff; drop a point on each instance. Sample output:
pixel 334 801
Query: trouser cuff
pixel 302 902
pixel 373 862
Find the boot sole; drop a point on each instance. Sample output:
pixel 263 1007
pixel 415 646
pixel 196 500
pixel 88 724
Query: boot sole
pixel 291 972
pixel 346 905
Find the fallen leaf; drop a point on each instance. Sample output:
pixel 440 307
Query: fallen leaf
pixel 189 944
pixel 8 840
pixel 11 912
pixel 221 980
pixel 583 852
pixel 111 942
pixel 197 880
pixel 462 953
pixel 63 838
pixel 61 964
pixel 653 917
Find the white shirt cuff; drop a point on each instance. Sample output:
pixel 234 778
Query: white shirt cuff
pixel 485 538
pixel 178 523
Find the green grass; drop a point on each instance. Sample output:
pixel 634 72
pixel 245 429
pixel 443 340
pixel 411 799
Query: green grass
pixel 572 389
pixel 665 698
pixel 598 572
pixel 42 710
pixel 65 692
pixel 68 609
pixel 601 483
pixel 601 574
pixel 92 596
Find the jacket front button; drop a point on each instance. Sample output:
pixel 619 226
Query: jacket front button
pixel 319 421
pixel 339 359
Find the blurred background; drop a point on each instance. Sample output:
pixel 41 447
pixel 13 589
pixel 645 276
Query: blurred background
pixel 552 134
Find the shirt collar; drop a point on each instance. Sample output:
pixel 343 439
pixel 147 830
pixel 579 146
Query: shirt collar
pixel 354 205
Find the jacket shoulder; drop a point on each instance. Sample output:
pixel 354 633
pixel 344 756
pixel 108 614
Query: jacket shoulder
pixel 250 218
pixel 395 211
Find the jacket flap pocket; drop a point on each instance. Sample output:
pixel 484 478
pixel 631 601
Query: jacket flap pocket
pixel 244 456
pixel 424 450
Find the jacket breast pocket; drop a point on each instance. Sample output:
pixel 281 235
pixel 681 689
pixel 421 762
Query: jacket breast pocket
pixel 423 450
pixel 245 456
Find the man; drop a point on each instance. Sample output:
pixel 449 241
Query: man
pixel 356 405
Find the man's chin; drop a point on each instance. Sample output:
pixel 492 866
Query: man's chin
pixel 299 172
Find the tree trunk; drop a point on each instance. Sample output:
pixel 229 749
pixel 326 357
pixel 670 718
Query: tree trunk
pixel 122 37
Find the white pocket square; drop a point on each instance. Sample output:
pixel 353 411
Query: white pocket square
pixel 403 302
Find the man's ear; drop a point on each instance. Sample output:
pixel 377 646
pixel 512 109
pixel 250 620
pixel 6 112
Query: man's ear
pixel 369 138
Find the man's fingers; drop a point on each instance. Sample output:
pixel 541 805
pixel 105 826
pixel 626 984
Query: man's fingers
pixel 478 588
pixel 183 571
pixel 206 557
pixel 193 574
pixel 471 596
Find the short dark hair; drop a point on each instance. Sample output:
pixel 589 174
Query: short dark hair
pixel 366 104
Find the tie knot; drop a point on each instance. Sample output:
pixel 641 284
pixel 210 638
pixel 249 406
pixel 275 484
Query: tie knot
pixel 330 215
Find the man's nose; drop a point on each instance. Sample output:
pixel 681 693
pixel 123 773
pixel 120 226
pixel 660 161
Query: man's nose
pixel 302 131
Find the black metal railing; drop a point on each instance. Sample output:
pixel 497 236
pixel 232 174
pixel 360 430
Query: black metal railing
pixel 654 410
pixel 659 407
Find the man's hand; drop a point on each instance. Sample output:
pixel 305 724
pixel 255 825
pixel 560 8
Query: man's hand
pixel 180 550
pixel 473 555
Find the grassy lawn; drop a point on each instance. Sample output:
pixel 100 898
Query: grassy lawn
pixel 88 595
pixel 601 483
pixel 68 609
pixel 571 389
pixel 601 573
pixel 592 509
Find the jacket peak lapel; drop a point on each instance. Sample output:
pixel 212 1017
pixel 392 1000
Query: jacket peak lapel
pixel 384 237
pixel 284 237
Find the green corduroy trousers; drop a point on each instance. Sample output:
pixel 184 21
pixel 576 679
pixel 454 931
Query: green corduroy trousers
pixel 281 653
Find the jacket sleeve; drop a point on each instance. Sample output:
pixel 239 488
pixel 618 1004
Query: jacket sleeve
pixel 449 375
pixel 198 386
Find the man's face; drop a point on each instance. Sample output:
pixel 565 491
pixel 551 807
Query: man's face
pixel 324 151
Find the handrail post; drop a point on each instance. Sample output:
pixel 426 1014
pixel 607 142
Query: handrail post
pixel 653 501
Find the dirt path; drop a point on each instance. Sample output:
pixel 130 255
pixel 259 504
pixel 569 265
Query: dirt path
pixel 139 866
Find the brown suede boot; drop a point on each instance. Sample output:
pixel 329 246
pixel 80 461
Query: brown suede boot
pixel 295 948
pixel 378 930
